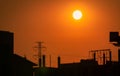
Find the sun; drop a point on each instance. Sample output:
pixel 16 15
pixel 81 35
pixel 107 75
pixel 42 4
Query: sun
pixel 77 14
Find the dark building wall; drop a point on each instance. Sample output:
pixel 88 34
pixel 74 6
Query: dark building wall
pixel 46 71
pixel 114 36
pixel 11 64
pixel 119 55
pixel 21 66
pixel 84 68
pixel 6 43
pixel 6 46
pixel 6 51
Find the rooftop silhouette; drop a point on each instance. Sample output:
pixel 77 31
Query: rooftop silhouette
pixel 14 65
pixel 10 63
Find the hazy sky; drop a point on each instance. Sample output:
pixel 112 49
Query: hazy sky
pixel 51 21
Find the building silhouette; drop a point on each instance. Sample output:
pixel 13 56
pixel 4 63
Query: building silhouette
pixel 82 68
pixel 14 65
pixel 10 63
pixel 6 52
pixel 21 66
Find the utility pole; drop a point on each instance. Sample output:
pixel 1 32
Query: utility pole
pixel 40 63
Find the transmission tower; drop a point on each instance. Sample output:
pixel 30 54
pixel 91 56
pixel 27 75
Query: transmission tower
pixel 39 47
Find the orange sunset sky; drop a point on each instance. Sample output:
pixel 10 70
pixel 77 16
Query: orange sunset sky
pixel 51 21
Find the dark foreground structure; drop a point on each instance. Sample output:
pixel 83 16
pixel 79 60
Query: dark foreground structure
pixel 88 67
pixel 10 63
pixel 15 65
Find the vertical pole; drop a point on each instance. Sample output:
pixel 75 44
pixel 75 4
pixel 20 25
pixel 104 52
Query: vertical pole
pixel 94 56
pixel 43 60
pixel 103 58
pixel 59 61
pixel 119 55
pixel 39 62
pixel 110 55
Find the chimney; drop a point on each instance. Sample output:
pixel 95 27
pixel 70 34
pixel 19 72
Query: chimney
pixel 119 55
pixel 43 60
pixel 94 56
pixel 59 61
pixel 110 55
pixel 103 58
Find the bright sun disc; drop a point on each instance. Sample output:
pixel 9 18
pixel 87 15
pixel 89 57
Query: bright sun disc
pixel 77 14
